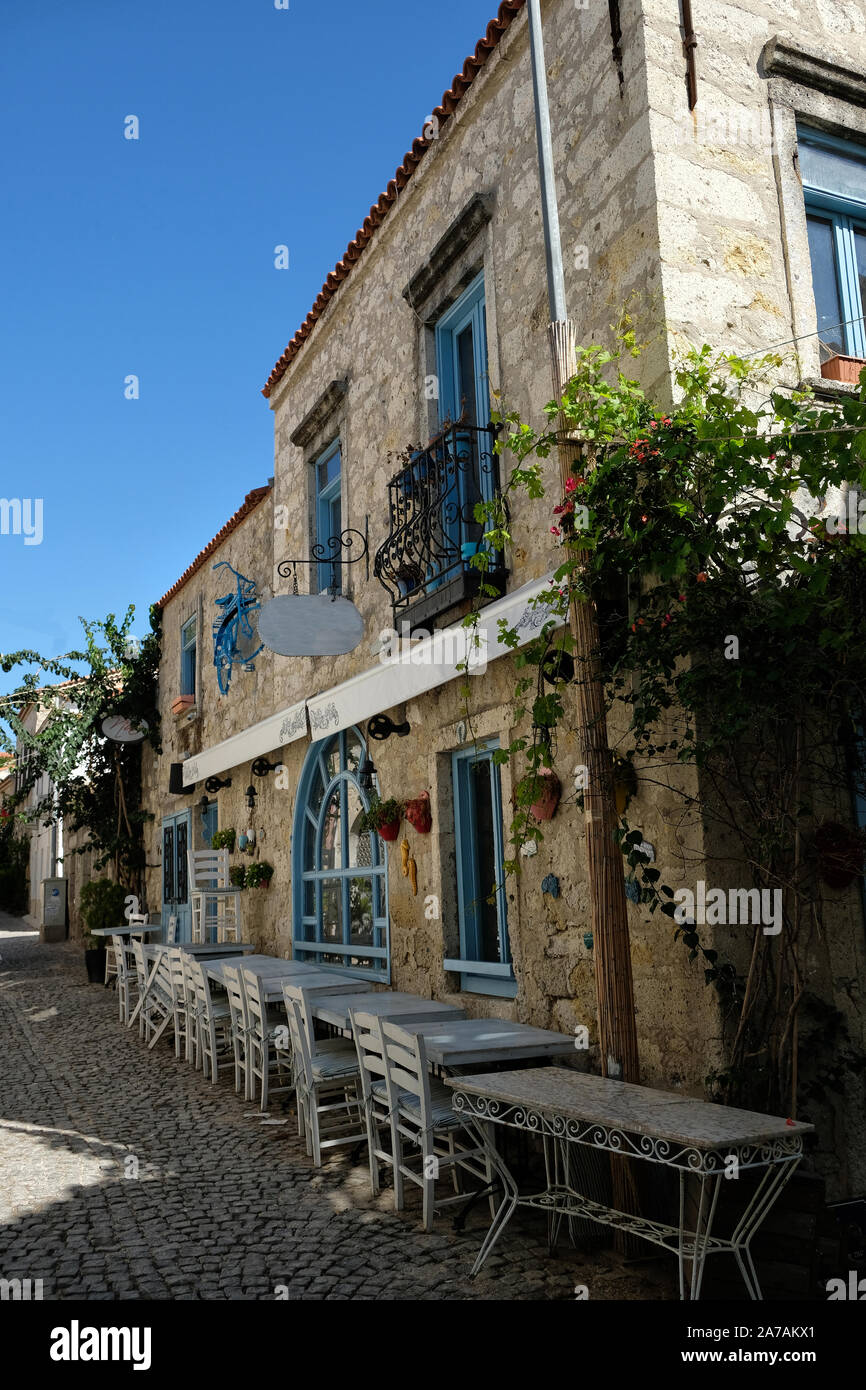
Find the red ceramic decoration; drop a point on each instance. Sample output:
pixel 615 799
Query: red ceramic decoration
pixel 544 808
pixel 419 814
pixel 390 830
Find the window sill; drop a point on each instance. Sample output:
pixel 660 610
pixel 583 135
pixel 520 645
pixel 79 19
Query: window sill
pixel 484 977
pixel 184 707
pixel 831 390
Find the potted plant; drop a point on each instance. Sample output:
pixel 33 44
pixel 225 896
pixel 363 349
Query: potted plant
pixel 223 839
pixel 101 903
pixel 383 816
pixel 547 791
pixel 237 875
pixel 259 873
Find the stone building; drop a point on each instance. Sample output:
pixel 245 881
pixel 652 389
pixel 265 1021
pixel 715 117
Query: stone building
pixel 696 188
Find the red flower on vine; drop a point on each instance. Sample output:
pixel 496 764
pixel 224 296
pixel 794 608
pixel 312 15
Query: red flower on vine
pixel 702 577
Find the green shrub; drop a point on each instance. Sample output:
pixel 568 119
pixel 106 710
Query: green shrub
pixel 101 903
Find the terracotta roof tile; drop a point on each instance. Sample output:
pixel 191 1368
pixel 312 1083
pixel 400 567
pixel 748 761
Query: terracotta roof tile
pixel 250 502
pixel 506 14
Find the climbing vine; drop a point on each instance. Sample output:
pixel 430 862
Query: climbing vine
pixel 722 542
pixel 97 782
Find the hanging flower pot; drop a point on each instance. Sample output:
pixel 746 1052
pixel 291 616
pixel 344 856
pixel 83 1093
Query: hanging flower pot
pixel 549 791
pixel 384 817
pixel 841 850
pixel 419 814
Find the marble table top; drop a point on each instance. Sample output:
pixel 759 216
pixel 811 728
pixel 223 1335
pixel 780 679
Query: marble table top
pixel 633 1109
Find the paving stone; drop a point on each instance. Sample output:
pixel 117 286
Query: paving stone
pixel 223 1208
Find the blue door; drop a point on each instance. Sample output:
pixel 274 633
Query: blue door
pixel 464 400
pixel 175 881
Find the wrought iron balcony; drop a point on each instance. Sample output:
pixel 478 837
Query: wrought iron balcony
pixel 425 562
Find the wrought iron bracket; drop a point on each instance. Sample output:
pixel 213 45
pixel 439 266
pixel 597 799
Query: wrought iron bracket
pixel 329 552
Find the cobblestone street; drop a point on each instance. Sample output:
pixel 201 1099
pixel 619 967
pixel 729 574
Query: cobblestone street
pixel 224 1206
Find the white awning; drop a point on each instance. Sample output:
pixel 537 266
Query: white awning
pixel 287 726
pixel 429 663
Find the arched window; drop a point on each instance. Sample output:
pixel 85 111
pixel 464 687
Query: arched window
pixel 339 887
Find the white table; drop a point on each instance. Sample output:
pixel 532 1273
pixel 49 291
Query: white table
pixel 204 950
pixel 270 967
pixel 474 1041
pixel 694 1138
pixel 127 930
pixel 394 1005
pixel 318 982
pixel 201 950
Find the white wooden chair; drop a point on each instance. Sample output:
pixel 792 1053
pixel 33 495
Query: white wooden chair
pixel 327 1083
pixel 264 1054
pixel 111 951
pixel 155 995
pixel 211 1017
pixel 142 971
pixel 422 1118
pixel 240 1026
pixel 127 977
pixel 213 900
pixel 373 1065
pixel 182 1013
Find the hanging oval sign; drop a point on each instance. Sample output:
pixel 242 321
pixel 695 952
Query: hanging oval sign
pixel 119 730
pixel 310 625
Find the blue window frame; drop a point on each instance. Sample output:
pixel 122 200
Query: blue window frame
pixel 464 397
pixel 461 357
pixel 485 954
pixel 339 874
pixel 188 646
pixel 329 514
pixel 834 186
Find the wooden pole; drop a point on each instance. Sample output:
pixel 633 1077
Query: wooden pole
pixel 608 905
pixel 617 1031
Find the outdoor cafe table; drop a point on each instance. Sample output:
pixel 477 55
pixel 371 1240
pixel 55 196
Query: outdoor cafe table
pixel 316 981
pixel 273 968
pixel 201 950
pixel 473 1041
pixel 126 930
pixel 391 1004
pixel 694 1138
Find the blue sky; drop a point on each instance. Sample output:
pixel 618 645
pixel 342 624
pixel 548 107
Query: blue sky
pixel 155 258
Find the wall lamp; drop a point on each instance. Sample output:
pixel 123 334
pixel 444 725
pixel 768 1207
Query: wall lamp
pixel 204 806
pixel 213 784
pixel 261 767
pixel 381 727
pixel 251 797
pixel 366 773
